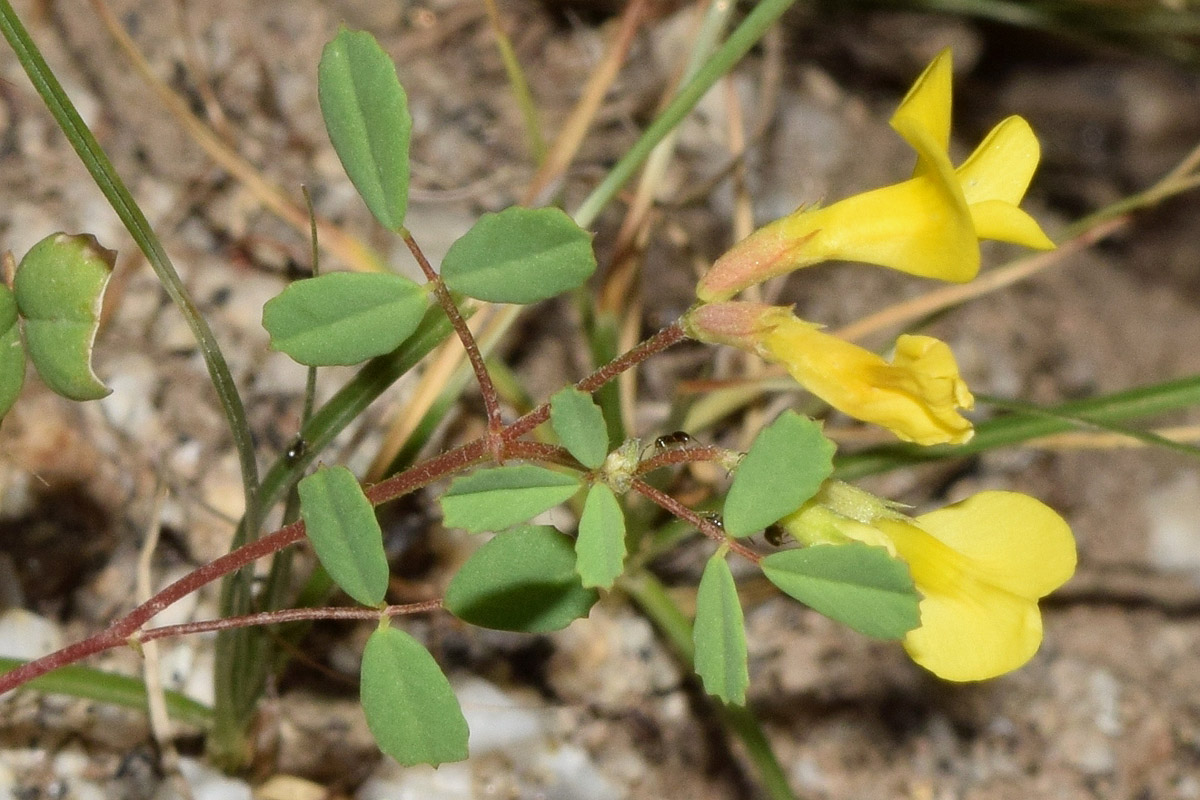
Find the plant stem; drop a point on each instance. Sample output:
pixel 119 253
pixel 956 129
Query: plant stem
pixel 682 455
pixel 121 631
pixel 667 337
pixel 423 474
pixel 491 400
pixel 705 526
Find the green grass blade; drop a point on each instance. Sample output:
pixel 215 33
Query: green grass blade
pixel 1138 403
pixel 117 690
pixel 1146 437
pixel 729 53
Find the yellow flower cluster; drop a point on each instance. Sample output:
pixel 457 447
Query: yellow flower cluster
pixel 929 225
pixel 981 565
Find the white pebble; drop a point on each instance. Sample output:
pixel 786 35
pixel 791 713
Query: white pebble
pixel 498 722
pixel 26 635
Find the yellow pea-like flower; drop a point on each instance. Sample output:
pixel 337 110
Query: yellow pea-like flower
pixel 917 395
pixel 929 225
pixel 980 565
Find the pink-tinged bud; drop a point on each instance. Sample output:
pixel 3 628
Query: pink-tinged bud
pixel 767 252
pixel 736 324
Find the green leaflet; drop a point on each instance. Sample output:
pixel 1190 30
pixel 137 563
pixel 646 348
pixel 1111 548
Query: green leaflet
pixel 344 318
pixel 860 586
pixel 366 115
pixel 600 548
pixel 500 497
pixel 787 463
pixel 12 355
pixel 522 580
pixel 59 289
pixel 411 710
pixel 719 634
pixel 579 423
pixel 341 524
pixel 520 255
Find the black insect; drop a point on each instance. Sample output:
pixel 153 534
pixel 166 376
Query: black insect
pixel 714 519
pixel 296 450
pixel 775 535
pixel 676 439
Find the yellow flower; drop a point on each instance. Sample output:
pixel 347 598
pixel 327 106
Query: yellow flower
pixel 916 396
pixel 980 566
pixel 929 225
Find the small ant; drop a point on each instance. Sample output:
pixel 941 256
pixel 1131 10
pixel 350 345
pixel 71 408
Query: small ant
pixel 775 535
pixel 676 439
pixel 296 450
pixel 714 519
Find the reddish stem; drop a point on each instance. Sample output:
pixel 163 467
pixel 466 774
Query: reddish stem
pixel 125 630
pixel 703 525
pixel 671 335
pixel 491 400
pixel 681 455
pixel 122 630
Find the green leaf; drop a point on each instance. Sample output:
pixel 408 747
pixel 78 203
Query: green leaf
pixel 720 634
pixel 344 317
pixel 579 423
pixel 411 710
pixel 600 548
pixel 344 532
pixel 12 355
pixel 521 255
pixel 498 498
pixel 522 580
pixel 786 465
pixel 59 288
pixel 855 584
pixel 366 114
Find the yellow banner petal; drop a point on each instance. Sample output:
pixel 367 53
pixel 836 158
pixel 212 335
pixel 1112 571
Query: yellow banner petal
pixel 1013 541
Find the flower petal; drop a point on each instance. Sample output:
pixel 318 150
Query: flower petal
pixel 970 629
pixel 975 634
pixel 996 219
pixel 1012 541
pixel 921 226
pixel 916 398
pixel 1003 164
pixel 926 108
